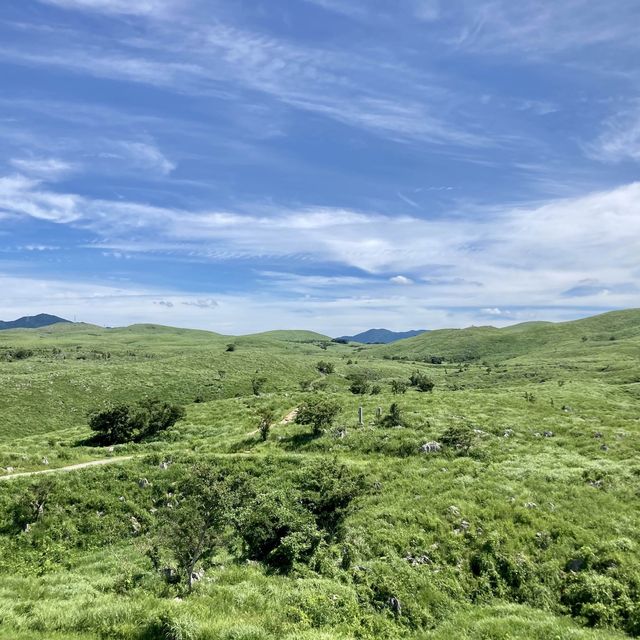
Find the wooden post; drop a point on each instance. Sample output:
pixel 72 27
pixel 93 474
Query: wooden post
pixel 360 416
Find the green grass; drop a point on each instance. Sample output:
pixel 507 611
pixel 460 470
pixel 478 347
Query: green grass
pixel 499 528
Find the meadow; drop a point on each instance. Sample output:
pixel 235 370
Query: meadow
pixel 502 504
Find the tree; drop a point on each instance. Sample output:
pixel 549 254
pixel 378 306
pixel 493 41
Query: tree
pixel 113 424
pixel 231 347
pixel 194 527
pixel 319 412
pixel 132 423
pixel 421 381
pixel 267 418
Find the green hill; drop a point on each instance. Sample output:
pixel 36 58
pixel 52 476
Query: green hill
pixel 503 504
pixel 575 338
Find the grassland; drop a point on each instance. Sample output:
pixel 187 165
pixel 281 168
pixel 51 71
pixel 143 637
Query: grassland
pixel 529 532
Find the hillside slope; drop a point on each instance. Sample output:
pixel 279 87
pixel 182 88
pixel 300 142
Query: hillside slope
pixel 575 338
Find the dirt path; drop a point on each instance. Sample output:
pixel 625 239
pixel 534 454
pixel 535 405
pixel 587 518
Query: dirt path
pixel 290 417
pixel 72 467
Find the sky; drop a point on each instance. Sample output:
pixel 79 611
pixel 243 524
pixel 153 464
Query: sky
pixel 246 165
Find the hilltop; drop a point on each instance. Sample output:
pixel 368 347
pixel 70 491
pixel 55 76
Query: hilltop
pixel 381 336
pixel 32 322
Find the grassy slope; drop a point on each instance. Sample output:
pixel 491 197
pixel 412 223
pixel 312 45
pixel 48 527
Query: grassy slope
pixel 409 514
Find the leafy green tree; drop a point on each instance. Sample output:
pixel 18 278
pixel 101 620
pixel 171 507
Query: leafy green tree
pixel 132 423
pixel 193 529
pixel 319 412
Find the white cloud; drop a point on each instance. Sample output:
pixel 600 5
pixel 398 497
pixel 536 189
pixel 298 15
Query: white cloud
pixel 620 139
pixel 401 280
pixel 127 7
pixel 146 156
pixel 46 168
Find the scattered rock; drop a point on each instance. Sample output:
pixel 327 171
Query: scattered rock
pixel 548 434
pixel 197 575
pixel 431 447
pixel 453 510
pixel 507 433
pixel 566 408
pixel 135 524
pixel 604 447
pixel 165 465
pixel 9 469
pixel 395 605
pixel 45 460
pixel 598 434
pixel 143 483
pixel 530 505
pixel 415 561
pixel 26 528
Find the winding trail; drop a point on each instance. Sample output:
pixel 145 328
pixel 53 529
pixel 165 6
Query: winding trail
pixel 72 467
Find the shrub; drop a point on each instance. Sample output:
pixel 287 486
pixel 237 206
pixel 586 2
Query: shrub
pixel 231 347
pixel 267 418
pixel 421 381
pixel 277 530
pixel 319 412
pixel 325 367
pixel 394 417
pixel 399 386
pixel 459 437
pixel 257 384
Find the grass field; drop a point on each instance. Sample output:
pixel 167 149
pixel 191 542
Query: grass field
pixel 523 525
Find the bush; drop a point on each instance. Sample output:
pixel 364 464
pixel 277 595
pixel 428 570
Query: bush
pixel 277 530
pixel 325 367
pixel 319 412
pixel 257 384
pixel 394 418
pixel 459 437
pixel 421 381
pixel 267 418
pixel 399 386
pixel 231 347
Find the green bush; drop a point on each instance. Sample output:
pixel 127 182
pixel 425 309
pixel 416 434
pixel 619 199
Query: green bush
pixel 319 412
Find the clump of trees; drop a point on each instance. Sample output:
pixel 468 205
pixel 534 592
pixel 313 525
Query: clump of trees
pixel 120 423
pixel 280 526
pixel 421 381
pixel 319 412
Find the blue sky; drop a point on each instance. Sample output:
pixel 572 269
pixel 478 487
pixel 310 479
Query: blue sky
pixel 249 165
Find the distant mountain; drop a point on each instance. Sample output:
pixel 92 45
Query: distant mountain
pixel 381 336
pixel 32 322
